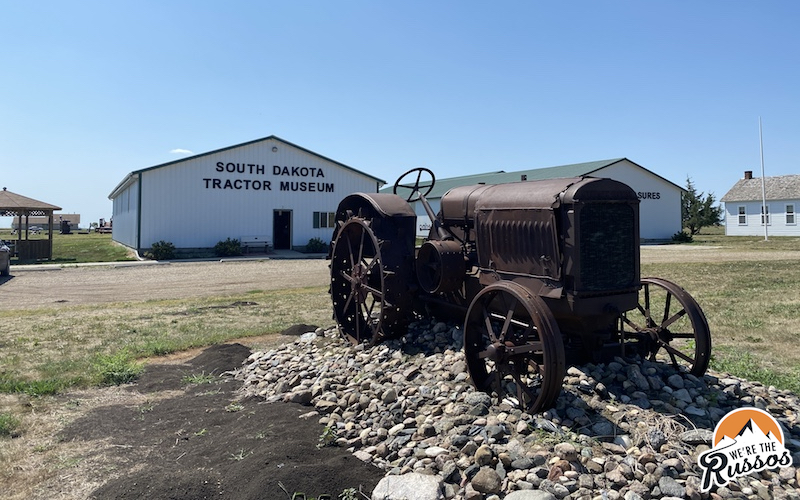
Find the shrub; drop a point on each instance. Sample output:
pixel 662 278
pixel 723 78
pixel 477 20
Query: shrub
pixel 8 424
pixel 117 369
pixel 161 250
pixel 228 248
pixel 682 237
pixel 316 245
pixel 328 436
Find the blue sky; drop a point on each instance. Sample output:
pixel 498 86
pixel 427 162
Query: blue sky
pixel 94 90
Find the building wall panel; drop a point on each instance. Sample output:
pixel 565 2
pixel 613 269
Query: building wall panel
pixel 125 216
pixel 233 193
pixel 660 206
pixel 660 201
pixel 779 224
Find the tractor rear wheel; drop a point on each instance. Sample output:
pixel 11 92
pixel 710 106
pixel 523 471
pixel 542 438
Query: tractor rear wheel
pixel 363 305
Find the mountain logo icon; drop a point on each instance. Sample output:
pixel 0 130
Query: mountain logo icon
pixel 741 421
pixel 746 440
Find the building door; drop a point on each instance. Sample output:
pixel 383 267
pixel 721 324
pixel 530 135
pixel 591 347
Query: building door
pixel 282 229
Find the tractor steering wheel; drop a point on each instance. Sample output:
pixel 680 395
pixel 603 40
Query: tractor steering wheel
pixel 415 187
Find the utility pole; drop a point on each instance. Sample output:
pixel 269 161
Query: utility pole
pixel 764 213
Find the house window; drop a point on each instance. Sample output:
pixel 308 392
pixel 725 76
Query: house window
pixel 742 216
pixel 324 219
pixel 762 215
pixel 790 214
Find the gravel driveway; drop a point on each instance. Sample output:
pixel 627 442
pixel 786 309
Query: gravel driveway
pixel 121 282
pixel 31 286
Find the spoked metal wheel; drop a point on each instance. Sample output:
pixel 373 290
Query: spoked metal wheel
pixel 669 326
pixel 358 283
pixel 513 346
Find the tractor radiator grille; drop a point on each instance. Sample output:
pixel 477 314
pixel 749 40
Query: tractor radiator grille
pixel 607 247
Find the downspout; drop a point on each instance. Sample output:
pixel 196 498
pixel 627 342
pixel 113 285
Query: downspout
pixel 139 215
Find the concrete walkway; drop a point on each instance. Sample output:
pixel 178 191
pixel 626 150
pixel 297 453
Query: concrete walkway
pixel 273 255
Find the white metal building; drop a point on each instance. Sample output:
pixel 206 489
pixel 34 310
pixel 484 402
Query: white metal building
pixel 744 206
pixel 659 210
pixel 267 191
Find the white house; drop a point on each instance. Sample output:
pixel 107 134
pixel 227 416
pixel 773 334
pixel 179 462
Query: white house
pixel 659 210
pixel 264 192
pixel 744 204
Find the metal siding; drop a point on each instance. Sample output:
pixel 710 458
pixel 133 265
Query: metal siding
pixel 124 215
pixel 178 207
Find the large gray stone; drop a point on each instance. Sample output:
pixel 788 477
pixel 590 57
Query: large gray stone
pixel 670 487
pixel 697 436
pixel 486 481
pixel 412 486
pixel 530 495
pixel 635 376
pixel 476 398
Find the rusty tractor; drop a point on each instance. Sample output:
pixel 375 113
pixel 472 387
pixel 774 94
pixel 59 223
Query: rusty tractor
pixel 542 274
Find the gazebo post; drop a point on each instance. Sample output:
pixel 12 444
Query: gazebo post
pixel 50 235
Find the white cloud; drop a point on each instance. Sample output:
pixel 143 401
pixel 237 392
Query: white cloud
pixel 179 151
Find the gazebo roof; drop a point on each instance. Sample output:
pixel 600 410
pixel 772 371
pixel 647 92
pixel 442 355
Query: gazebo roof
pixel 13 204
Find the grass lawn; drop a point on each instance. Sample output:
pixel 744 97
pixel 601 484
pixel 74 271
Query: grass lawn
pixel 752 306
pixel 47 350
pixel 77 248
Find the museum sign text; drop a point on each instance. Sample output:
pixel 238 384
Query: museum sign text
pixel 255 177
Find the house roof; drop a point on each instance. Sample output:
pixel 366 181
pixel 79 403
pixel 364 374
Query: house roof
pixel 13 204
pixel 128 178
pixel 782 187
pixel 502 177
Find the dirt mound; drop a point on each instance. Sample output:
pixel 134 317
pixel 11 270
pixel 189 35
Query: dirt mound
pixel 202 443
pixel 297 330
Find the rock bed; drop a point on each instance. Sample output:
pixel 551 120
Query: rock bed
pixel 623 429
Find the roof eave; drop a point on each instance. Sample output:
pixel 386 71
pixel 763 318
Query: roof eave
pixel 127 181
pixel 228 148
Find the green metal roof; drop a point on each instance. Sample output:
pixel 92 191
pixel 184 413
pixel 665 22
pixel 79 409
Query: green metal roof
pixel 502 177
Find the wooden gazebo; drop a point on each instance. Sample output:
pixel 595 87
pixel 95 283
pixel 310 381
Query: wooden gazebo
pixel 16 205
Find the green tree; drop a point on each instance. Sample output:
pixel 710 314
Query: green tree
pixel 698 211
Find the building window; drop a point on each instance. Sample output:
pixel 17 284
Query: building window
pixel 762 215
pixel 790 214
pixel 742 216
pixel 324 219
